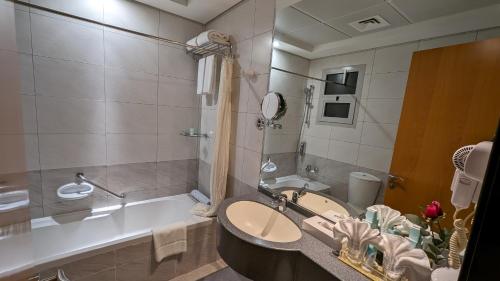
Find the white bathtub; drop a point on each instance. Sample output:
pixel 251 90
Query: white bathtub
pixel 293 181
pixel 55 238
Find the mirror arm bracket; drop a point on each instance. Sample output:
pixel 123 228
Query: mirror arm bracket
pixel 262 123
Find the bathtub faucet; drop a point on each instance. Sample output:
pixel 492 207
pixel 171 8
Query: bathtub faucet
pixel 80 178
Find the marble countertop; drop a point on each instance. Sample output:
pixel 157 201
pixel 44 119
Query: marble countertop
pixel 308 245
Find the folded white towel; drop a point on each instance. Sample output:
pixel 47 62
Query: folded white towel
pixel 191 42
pixel 358 233
pixel 209 80
pixel 170 240
pixel 210 36
pixel 387 217
pixel 201 76
pixel 413 261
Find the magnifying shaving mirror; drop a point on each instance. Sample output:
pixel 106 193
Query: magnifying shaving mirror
pixel 273 106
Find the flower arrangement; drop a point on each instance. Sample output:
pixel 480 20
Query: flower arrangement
pixel 436 238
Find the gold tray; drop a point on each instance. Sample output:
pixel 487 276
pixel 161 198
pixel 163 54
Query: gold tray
pixel 376 274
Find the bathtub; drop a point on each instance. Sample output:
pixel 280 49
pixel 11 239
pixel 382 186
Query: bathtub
pixel 293 181
pixel 55 238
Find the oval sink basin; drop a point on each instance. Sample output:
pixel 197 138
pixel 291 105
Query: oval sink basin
pixel 317 203
pixel 262 222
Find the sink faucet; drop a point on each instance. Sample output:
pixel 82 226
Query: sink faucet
pixel 310 170
pixel 301 192
pixel 279 200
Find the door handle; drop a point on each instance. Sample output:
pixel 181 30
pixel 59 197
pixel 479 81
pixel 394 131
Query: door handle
pixel 393 181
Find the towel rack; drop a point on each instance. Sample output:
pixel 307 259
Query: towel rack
pixel 211 48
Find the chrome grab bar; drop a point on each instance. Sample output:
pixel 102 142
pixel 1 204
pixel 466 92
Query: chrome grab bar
pixel 80 177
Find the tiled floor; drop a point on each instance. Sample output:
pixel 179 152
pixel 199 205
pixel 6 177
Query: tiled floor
pixel 227 274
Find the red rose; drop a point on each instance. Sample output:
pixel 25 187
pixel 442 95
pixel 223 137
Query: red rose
pixel 433 210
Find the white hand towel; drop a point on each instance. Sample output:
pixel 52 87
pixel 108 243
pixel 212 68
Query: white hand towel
pixel 201 76
pixel 414 261
pixel 209 79
pixel 170 240
pixel 388 217
pixel 358 233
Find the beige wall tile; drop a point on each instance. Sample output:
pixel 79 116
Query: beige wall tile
pixel 132 15
pixel 388 85
pixel 131 86
pixel 83 8
pixel 261 52
pixel 238 21
pixel 177 92
pixel 177 28
pixel 251 168
pixel 131 148
pixel 122 52
pixel 63 79
pixel 72 150
pixel 394 58
pixel 70 115
pixel 175 62
pixel 131 118
pixel 264 16
pixel 57 38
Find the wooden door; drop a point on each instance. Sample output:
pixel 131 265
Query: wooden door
pixel 452 99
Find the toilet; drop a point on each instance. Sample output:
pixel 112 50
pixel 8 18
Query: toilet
pixel 363 190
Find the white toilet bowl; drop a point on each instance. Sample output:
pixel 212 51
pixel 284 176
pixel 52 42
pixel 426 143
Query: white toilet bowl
pixel 363 190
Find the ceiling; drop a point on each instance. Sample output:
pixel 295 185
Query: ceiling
pixel 318 22
pixel 198 10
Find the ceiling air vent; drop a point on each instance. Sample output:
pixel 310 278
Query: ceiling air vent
pixel 370 23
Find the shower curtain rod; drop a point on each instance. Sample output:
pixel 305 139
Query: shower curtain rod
pixel 202 50
pixel 302 75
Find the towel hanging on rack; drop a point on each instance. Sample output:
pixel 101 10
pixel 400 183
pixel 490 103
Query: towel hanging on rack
pixel 207 74
pixel 201 76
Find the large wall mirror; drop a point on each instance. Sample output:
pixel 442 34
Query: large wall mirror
pixel 371 119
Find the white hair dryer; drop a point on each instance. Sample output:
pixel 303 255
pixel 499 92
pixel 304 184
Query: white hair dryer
pixel 470 166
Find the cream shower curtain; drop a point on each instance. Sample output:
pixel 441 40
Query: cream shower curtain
pixel 220 162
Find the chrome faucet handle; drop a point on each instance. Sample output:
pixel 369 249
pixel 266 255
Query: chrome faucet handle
pixel 311 170
pixel 279 201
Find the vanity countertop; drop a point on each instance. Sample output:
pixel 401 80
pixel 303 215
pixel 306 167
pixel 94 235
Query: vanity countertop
pixel 308 245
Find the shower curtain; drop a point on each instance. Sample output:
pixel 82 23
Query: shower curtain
pixel 220 162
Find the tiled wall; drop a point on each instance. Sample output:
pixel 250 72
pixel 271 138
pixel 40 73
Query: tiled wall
pixel 139 181
pixel 94 96
pixel 292 88
pixel 370 143
pixel 100 100
pixel 11 121
pixel 250 24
